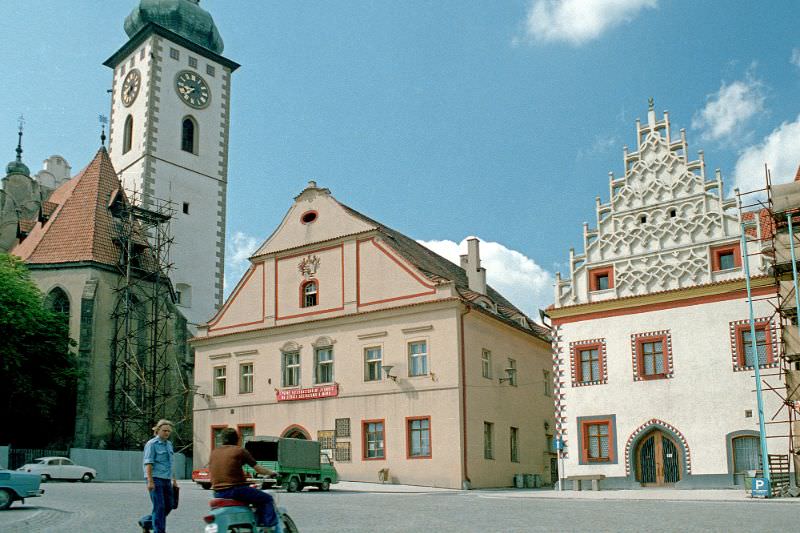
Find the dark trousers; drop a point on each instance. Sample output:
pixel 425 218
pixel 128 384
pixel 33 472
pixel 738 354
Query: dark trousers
pixel 265 507
pixel 161 496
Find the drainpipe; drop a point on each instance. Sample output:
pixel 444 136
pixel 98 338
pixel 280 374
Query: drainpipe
pixel 465 481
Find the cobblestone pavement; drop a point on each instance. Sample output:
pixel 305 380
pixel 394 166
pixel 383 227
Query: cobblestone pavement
pixel 115 507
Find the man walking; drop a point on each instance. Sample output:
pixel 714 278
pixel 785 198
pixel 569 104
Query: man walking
pixel 158 472
pixel 228 479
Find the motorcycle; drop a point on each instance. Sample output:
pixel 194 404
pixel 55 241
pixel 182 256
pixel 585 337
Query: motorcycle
pixel 232 516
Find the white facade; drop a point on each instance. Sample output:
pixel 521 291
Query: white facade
pixel 159 167
pixel 652 386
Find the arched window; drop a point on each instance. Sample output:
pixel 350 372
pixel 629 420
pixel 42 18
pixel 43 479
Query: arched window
pixel 58 301
pixel 127 135
pixel 189 135
pixel 308 294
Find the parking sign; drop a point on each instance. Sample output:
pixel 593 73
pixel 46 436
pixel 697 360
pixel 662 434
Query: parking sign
pixel 760 487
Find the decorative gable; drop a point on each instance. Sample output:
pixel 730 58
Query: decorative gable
pixel 659 228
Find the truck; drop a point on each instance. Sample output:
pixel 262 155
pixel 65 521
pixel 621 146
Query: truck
pixel 297 463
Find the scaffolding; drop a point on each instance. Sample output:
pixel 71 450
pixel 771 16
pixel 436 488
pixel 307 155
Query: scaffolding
pixel 768 218
pixel 150 368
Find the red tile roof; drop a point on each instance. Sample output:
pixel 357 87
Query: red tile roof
pixel 80 227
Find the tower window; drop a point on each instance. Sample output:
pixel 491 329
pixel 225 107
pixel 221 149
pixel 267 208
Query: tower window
pixel 193 62
pixel 127 135
pixel 185 208
pixel 189 135
pixel 210 70
pixel 174 54
pixel 309 293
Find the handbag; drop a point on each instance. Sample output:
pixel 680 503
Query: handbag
pixel 176 494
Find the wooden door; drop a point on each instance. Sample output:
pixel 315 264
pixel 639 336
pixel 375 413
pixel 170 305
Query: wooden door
pixel 658 460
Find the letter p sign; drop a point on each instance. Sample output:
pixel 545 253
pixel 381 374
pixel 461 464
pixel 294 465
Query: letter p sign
pixel 760 488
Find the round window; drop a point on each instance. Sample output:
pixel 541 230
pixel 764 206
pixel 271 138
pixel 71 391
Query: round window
pixel 308 217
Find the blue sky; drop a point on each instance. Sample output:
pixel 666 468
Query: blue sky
pixel 442 119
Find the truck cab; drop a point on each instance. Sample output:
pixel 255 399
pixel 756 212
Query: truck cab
pixel 297 463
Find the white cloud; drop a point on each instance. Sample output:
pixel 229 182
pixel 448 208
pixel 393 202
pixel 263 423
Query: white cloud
pixel 795 59
pixel 578 21
pixel 238 250
pixel 729 109
pixel 779 150
pixel 517 277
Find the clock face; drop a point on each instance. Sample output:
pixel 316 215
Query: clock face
pixel 192 89
pixel 130 87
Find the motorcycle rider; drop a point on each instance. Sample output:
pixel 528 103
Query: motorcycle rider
pixel 228 479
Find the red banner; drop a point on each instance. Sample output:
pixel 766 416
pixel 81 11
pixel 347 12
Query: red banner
pixel 311 393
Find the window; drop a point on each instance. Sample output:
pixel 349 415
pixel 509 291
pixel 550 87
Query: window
pixel 174 54
pixel 185 208
pixel 373 439
pixel 373 360
pixel 597 437
pixel 488 440
pixel 210 70
pixel 761 347
pixel 58 301
pixel 323 363
pixel 486 364
pixel 216 436
pixel 327 439
pixel 291 369
pixel 726 257
pixel 588 362
pixel 245 378
pixel 192 62
pixel 342 452
pixel 589 365
pixel 308 293
pixel 651 357
pixel 183 294
pixel 127 135
pixel 513 441
pixel 189 135
pixel 219 380
pixel 342 426
pixel 417 358
pixel 512 372
pixel 673 213
pixel 601 279
pixel 548 383
pixel 141 54
pixel 643 219
pixel 246 432
pixel 419 437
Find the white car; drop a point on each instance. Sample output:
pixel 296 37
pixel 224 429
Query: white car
pixel 59 468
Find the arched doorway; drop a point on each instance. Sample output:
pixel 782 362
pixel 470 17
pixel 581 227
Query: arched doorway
pixel 658 460
pixel 295 432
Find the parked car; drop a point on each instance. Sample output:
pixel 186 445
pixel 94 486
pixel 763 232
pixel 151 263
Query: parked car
pixel 59 468
pixel 202 477
pixel 17 486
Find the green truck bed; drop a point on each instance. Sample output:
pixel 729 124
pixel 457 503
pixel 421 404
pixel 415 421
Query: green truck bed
pixel 297 463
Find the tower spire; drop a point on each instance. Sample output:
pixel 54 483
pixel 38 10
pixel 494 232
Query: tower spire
pixel 21 122
pixel 103 120
pixel 17 166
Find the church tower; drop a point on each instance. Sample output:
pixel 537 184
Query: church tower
pixel 170 120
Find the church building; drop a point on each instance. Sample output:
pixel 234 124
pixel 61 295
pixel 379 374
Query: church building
pixel 403 364
pixel 653 354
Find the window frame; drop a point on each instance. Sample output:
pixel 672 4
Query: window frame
pixel 127 134
pixel 486 363
pixel 512 379
pixel 639 341
pixel 319 365
pixel 579 377
pixel 195 135
pixel 548 383
pixel 409 437
pixel 365 439
pixel 239 428
pixel 718 251
pixel 609 421
pixel 285 366
pixel 488 440
pixel 368 362
pixel 214 428
pixel 596 273
pixel 513 443
pixel 303 285
pixel 216 379
pixel 424 356
pixel 740 357
pixel 243 377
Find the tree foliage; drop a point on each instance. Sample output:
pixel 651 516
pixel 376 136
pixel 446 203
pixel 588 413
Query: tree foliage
pixel 38 369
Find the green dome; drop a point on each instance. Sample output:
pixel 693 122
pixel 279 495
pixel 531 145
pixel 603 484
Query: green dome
pixel 17 167
pixel 184 17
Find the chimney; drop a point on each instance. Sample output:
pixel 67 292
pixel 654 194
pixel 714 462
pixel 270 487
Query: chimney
pixel 476 276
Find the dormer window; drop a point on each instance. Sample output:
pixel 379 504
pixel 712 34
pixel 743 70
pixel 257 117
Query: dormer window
pixel 308 294
pixel 601 279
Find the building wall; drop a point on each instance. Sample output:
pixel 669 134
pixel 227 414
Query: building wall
pixel 704 401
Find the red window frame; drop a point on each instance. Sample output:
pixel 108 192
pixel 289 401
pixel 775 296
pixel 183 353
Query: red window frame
pixel 741 329
pixel 364 424
pixel 213 440
pixel 640 357
pixel 579 367
pixel 585 441
pixel 718 251
pixel 303 293
pixel 410 419
pixel 239 431
pixel 596 273
pixel 308 213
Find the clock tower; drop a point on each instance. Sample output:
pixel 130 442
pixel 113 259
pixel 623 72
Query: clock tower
pixel 170 120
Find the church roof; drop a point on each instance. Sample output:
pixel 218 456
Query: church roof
pixel 183 17
pixel 80 226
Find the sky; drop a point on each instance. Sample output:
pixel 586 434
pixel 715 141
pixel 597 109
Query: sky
pixel 442 119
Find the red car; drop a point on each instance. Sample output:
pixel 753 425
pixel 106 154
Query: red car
pixel 202 478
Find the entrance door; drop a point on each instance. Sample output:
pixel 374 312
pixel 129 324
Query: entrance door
pixel 746 456
pixel 658 460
